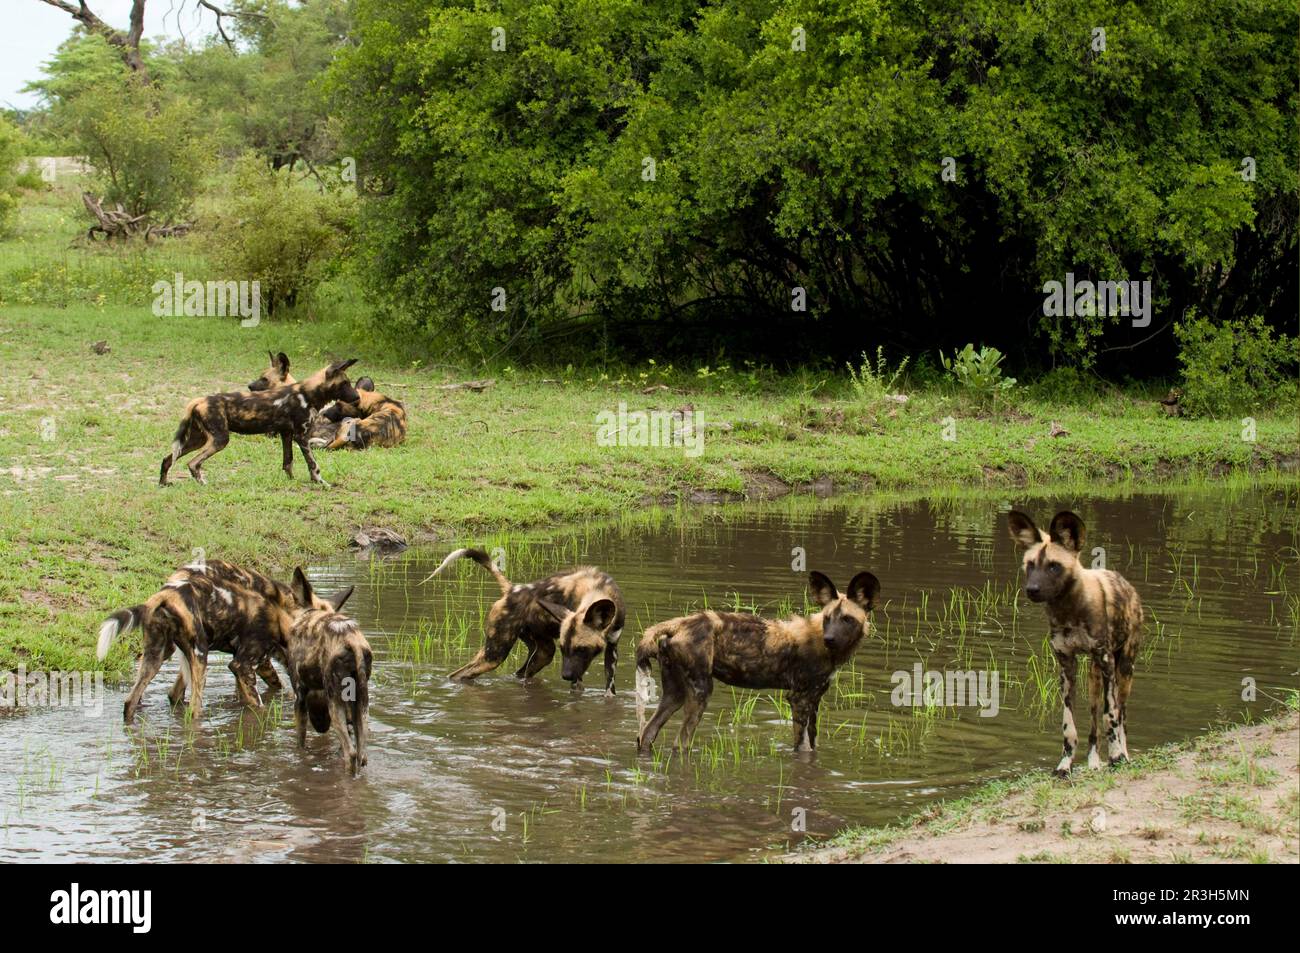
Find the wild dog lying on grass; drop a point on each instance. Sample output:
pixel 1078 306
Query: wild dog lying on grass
pixel 276 375
pixel 1089 611
pixel 797 654
pixel 286 410
pixel 329 664
pixel 215 606
pixel 581 610
pixel 374 421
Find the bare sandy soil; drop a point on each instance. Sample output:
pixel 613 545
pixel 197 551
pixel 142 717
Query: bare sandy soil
pixel 1230 796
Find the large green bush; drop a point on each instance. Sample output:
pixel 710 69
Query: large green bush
pixel 613 163
pixel 1235 367
pixel 280 230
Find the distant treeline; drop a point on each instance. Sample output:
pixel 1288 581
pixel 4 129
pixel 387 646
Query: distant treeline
pixel 775 181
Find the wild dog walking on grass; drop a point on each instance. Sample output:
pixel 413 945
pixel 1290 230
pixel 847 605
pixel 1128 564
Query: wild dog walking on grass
pixel 1090 611
pixel 284 410
pixel 203 608
pixel 580 610
pixel 374 421
pixel 797 654
pixel 329 664
pixel 276 375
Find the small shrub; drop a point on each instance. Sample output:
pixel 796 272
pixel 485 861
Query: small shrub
pixel 978 374
pixel 872 381
pixel 1234 366
pixel 11 139
pixel 1065 385
pixel 280 231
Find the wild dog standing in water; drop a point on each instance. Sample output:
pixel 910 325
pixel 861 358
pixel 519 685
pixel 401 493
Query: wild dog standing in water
pixel 1090 611
pixel 286 410
pixel 329 664
pixel 581 610
pixel 374 421
pixel 276 375
pixel 797 654
pixel 211 607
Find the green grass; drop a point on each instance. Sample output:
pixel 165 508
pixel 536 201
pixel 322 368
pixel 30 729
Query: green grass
pixel 87 529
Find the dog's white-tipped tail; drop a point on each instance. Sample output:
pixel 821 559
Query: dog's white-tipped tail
pixel 451 558
pixel 122 621
pixel 107 632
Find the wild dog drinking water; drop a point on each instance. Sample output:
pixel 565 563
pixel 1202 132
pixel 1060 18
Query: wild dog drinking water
pixel 580 611
pixel 1093 612
pixel 797 654
pixel 329 664
pixel 374 421
pixel 276 375
pixel 203 608
pixel 285 410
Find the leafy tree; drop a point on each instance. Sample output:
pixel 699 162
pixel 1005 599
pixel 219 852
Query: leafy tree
pixel 623 165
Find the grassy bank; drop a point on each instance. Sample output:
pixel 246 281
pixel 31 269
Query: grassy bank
pixel 81 436
pixel 88 529
pixel 1232 794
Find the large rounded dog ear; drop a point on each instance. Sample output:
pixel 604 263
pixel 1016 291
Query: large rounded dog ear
pixel 1023 530
pixel 863 590
pixel 302 590
pixel 822 589
pixel 600 614
pixel 338 367
pixel 339 598
pixel 281 360
pixel 1067 530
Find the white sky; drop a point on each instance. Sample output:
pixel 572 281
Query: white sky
pixel 33 31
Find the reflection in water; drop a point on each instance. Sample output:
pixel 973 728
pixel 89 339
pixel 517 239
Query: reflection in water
pixel 498 770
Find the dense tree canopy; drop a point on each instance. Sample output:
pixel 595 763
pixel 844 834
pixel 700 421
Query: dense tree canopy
pixel 667 174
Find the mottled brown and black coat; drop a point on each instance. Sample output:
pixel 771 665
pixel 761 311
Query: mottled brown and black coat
pixel 375 420
pixel 1092 612
pixel 329 665
pixel 206 607
pixel 799 655
pixel 579 611
pixel 286 410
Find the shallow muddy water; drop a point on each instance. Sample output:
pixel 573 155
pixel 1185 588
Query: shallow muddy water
pixel 497 770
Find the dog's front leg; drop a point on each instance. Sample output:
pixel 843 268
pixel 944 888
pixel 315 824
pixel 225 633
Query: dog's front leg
pixel 1069 734
pixel 286 442
pixel 312 468
pixel 611 661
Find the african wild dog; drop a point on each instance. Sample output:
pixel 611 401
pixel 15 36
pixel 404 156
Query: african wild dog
pixel 276 375
pixel 286 410
pixel 581 610
pixel 797 654
pixel 329 665
pixel 374 421
pixel 213 606
pixel 1089 611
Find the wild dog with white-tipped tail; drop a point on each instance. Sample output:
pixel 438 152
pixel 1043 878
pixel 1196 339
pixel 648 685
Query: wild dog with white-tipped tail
pixel 1093 612
pixel 579 610
pixel 205 607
